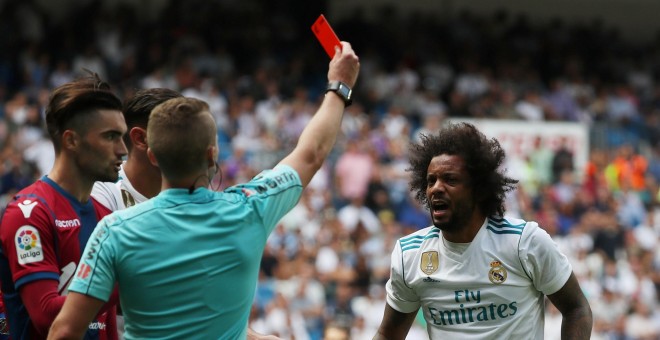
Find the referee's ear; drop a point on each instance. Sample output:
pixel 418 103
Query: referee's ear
pixel 212 155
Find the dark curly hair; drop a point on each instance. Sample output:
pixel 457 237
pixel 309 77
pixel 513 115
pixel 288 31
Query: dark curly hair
pixel 482 157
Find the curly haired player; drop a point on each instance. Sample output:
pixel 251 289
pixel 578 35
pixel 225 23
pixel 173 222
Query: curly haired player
pixel 475 273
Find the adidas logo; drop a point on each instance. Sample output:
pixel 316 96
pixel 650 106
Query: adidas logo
pixel 428 279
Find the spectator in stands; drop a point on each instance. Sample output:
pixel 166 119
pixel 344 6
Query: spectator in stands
pixel 353 171
pixel 562 160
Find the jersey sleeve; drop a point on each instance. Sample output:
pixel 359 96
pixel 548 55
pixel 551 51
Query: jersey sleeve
pixel 548 268
pixel 28 241
pixel 399 295
pixel 95 275
pixel 108 194
pixel 272 194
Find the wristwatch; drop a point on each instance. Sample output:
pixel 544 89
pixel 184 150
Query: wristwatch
pixel 342 90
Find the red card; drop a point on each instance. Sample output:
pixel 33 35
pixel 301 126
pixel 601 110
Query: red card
pixel 325 35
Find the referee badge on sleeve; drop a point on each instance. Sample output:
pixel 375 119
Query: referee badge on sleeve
pixel 429 262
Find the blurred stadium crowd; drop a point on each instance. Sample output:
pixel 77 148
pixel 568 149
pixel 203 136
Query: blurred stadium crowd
pixel 327 262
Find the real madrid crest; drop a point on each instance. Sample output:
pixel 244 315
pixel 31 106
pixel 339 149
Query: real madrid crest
pixel 429 262
pixel 497 273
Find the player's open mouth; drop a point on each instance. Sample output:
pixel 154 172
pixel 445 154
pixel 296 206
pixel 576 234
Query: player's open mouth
pixel 439 208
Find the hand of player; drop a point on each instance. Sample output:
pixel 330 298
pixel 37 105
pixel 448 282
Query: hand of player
pixel 345 65
pixel 252 335
pixel 263 337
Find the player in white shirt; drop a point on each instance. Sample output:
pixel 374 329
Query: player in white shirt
pixel 139 180
pixel 474 273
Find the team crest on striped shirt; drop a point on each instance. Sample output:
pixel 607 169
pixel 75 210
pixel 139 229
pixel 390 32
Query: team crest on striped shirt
pixel 497 273
pixel 429 262
pixel 128 199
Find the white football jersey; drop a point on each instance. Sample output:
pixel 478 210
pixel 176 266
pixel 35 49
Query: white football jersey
pixel 491 288
pixel 117 195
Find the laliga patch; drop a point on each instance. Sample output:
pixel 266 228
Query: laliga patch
pixel 28 245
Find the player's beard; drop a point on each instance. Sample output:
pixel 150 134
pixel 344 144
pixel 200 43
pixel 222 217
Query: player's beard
pixel 95 166
pixel 460 216
pixel 107 174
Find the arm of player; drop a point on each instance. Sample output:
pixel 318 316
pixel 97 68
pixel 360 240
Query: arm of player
pixel 574 307
pixel 72 322
pixel 395 325
pixel 318 137
pixel 43 302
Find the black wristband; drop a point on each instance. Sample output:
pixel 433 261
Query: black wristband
pixel 342 90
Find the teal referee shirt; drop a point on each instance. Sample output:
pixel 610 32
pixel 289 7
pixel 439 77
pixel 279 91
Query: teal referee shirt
pixel 187 263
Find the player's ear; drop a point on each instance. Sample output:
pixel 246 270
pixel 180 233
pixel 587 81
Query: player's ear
pixel 138 137
pixel 152 157
pixel 69 139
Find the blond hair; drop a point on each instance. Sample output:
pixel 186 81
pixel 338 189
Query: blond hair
pixel 179 133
